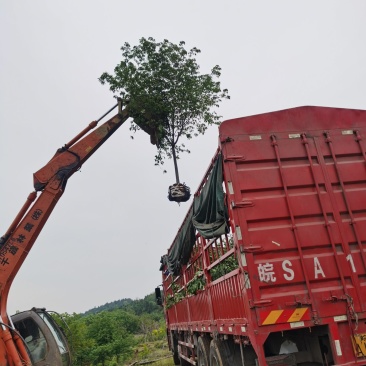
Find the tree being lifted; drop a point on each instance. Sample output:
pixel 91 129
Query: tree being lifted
pixel 167 98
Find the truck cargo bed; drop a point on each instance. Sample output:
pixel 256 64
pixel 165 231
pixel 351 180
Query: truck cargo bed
pixel 293 265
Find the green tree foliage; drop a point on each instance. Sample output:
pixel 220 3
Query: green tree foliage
pixel 139 306
pixel 168 96
pixel 118 304
pixel 107 337
pixel 224 267
pixel 110 336
pixel 77 335
pixel 147 305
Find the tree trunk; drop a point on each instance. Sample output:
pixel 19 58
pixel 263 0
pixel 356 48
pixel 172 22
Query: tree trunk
pixel 175 164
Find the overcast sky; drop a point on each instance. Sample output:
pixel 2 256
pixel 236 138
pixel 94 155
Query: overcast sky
pixel 105 238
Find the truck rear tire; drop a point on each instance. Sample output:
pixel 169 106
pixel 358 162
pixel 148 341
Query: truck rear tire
pixel 203 351
pixel 219 354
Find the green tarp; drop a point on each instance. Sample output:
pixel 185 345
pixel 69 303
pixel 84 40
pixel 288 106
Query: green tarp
pixel 209 210
pixel 208 215
pixel 180 251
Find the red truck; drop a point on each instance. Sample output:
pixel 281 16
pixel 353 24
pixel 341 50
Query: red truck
pixel 269 265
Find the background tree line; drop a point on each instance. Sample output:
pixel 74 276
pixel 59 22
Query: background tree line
pixel 116 332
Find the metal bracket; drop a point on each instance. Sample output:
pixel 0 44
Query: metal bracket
pixel 242 204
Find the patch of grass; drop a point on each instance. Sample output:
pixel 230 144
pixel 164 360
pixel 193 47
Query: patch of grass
pixel 151 353
pixel 165 362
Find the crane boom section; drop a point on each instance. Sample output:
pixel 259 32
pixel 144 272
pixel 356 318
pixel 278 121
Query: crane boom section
pixel 67 160
pixel 50 181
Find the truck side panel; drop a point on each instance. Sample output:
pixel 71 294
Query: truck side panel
pixel 305 196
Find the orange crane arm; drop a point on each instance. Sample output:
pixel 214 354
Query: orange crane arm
pixel 50 181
